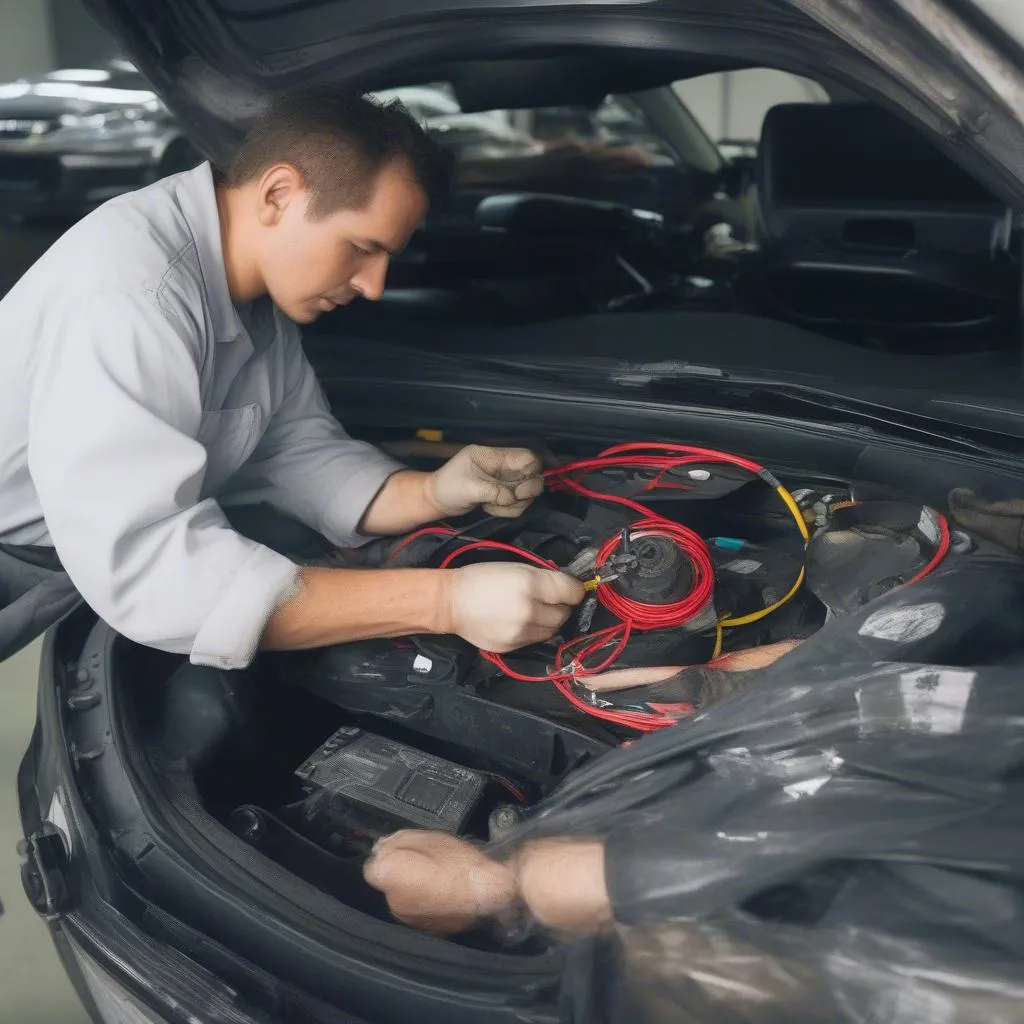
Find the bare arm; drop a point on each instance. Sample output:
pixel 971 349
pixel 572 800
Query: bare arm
pixel 334 606
pixel 402 505
pixel 495 606
pixel 562 883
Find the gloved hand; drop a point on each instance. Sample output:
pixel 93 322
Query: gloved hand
pixel 438 883
pixel 499 607
pixel 503 480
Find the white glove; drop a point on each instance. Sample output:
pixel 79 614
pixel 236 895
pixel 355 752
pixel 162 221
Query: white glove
pixel 499 606
pixel 503 480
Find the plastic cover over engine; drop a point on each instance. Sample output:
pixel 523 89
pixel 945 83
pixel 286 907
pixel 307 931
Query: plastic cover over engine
pixel 405 783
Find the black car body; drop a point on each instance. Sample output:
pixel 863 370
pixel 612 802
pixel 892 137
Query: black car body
pixel 168 896
pixel 73 138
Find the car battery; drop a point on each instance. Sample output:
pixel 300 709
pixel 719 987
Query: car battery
pixel 394 779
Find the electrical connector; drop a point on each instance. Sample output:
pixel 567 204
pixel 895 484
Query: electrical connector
pixel 598 581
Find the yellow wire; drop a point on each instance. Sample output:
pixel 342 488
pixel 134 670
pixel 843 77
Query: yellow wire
pixel 746 620
pixel 795 509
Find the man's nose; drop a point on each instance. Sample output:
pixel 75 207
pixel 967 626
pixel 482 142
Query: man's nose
pixel 370 280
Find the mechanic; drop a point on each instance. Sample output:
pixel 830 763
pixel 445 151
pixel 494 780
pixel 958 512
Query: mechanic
pixel 152 377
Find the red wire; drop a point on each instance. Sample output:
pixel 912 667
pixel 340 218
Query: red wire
pixel 427 531
pixel 644 616
pixel 943 550
pixel 497 545
pixel 633 615
pixel 706 454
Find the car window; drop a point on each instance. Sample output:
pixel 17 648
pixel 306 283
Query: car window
pixel 731 106
pixel 568 150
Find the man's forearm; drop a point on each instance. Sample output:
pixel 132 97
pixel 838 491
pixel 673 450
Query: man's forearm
pixel 334 606
pixel 402 505
pixel 562 882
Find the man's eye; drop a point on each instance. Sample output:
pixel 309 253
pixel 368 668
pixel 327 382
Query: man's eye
pixel 359 249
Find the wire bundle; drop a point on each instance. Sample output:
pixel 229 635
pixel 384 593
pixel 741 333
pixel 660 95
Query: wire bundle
pixel 661 616
pixel 573 658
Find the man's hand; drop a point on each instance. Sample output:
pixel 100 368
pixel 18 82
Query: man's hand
pixel 500 607
pixel 502 480
pixel 496 606
pixel 438 883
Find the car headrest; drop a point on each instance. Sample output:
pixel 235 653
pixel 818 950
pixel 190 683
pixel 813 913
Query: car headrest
pixel 855 157
pixel 539 213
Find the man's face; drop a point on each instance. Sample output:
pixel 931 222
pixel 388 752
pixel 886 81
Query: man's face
pixel 310 266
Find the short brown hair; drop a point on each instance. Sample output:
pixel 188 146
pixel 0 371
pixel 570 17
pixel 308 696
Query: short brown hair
pixel 339 141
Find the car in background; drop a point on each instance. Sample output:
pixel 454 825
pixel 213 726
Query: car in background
pixel 489 135
pixel 73 138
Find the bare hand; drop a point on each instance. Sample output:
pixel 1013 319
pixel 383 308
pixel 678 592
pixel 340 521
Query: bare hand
pixel 438 883
pixel 441 884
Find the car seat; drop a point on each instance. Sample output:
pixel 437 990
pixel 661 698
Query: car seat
pixel 869 230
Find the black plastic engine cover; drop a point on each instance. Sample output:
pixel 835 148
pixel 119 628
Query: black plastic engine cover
pixel 393 680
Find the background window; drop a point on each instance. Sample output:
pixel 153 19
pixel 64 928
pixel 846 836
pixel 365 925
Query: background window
pixel 731 106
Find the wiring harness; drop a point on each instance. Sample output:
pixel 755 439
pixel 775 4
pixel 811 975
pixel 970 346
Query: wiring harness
pixel 593 653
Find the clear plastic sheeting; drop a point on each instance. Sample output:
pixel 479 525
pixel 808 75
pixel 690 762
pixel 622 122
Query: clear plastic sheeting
pixel 841 839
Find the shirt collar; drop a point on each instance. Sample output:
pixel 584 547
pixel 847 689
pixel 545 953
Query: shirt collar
pixel 197 196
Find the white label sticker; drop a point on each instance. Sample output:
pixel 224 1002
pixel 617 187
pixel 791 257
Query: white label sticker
pixel 742 566
pixel 808 787
pixel 936 698
pixel 904 625
pixel 699 474
pixel 59 819
pixel 928 524
pixel 421 664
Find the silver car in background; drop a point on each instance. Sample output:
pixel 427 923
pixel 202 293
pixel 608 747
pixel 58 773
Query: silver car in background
pixel 73 138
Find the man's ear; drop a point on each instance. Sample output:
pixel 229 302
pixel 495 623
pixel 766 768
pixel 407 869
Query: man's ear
pixel 279 186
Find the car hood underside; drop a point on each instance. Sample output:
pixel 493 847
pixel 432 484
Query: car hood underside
pixel 958 75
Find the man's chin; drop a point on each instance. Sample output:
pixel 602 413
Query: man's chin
pixel 308 313
pixel 303 315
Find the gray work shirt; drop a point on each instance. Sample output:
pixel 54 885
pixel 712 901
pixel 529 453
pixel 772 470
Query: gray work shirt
pixel 136 399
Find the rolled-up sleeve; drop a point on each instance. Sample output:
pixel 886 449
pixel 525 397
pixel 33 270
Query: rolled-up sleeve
pixel 306 464
pixel 119 473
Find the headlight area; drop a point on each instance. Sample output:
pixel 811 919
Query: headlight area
pixel 128 960
pixel 125 975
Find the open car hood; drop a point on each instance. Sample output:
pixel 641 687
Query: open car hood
pixel 959 76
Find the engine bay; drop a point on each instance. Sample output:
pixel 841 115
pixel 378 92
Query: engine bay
pixel 701 567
